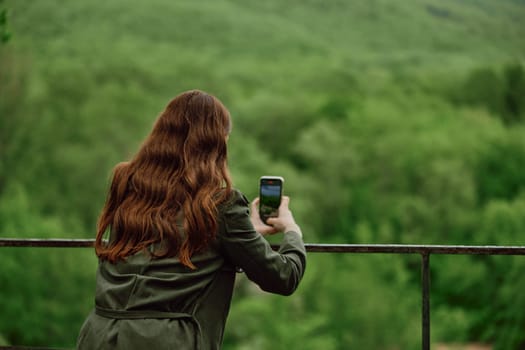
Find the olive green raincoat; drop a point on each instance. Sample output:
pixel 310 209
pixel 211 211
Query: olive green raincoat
pixel 161 304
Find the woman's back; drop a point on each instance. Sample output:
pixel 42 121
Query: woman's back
pixel 163 304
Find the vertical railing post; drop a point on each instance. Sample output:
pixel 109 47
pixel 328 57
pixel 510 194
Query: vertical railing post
pixel 425 306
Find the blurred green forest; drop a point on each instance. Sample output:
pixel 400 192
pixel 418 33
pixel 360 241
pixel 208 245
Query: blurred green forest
pixel 392 122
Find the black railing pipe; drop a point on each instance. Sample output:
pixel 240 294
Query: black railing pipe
pixel 310 247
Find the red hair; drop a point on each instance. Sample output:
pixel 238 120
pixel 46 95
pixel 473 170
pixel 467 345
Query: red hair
pixel 179 176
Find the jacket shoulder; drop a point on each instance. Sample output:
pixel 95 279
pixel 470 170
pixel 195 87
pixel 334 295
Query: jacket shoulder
pixel 236 198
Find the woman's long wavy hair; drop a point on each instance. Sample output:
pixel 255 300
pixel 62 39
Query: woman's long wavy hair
pixel 179 176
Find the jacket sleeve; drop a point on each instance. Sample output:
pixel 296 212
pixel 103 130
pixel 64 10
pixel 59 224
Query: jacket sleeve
pixel 275 272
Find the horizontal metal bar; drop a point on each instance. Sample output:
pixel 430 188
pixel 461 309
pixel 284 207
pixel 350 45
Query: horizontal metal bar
pixel 416 249
pixel 310 247
pixel 46 242
pixel 15 347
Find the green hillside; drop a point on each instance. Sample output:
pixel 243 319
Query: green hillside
pixel 392 122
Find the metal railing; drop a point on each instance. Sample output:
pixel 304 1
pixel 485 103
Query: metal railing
pixel 423 250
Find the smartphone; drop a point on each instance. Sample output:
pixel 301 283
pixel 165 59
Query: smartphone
pixel 270 192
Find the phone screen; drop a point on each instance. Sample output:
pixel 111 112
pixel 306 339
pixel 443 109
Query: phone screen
pixel 271 189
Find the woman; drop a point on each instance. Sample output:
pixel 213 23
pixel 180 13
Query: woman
pixel 177 233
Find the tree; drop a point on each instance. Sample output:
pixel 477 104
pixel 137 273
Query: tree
pixel 5 35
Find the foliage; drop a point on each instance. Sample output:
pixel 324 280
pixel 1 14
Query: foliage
pixel 392 122
pixel 500 92
pixel 4 33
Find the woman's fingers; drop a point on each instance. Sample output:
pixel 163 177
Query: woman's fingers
pixel 257 223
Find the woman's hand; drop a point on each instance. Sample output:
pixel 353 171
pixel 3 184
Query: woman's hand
pixel 257 223
pixel 282 223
